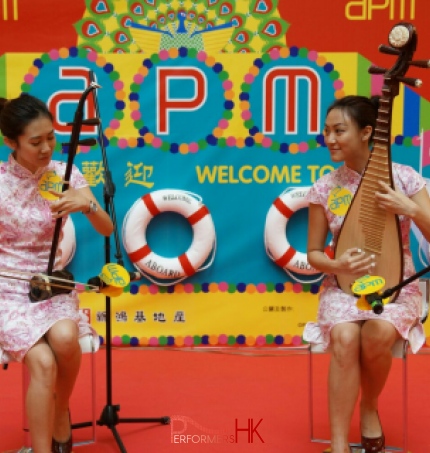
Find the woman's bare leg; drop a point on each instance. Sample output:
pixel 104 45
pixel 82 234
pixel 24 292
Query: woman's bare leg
pixel 64 341
pixel 41 364
pixel 377 339
pixel 344 382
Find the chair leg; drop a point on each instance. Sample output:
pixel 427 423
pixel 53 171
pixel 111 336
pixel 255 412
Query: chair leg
pixel 89 348
pixel 311 400
pixel 25 383
pixel 405 398
pixel 311 395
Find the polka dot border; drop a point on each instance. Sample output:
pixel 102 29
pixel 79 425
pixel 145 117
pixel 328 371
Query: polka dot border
pixel 222 287
pixel 267 340
pixel 64 53
pixel 146 137
pixel 255 136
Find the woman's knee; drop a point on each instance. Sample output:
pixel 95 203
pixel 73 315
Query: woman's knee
pixel 64 339
pixel 377 338
pixel 345 342
pixel 41 365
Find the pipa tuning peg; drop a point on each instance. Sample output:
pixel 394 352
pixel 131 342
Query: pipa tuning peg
pixel 389 50
pixel 377 70
pixel 421 63
pixel 410 81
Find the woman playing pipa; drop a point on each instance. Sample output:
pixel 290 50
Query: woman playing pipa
pixel 358 339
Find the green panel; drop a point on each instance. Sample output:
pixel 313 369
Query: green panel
pixel 424 114
pixel 363 76
pixel 3 76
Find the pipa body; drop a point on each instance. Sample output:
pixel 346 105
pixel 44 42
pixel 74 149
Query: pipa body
pixel 366 225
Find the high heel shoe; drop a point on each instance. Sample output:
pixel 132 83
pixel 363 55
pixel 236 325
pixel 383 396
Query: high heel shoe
pixel 374 444
pixel 63 447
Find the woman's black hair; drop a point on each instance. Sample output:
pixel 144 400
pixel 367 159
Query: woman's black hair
pixel 17 113
pixel 362 110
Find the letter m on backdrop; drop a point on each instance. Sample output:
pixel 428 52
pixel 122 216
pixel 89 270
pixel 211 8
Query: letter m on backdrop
pixel 292 77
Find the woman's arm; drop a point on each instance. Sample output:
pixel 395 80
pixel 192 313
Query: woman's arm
pixel 352 261
pixel 99 219
pixel 416 207
pixel 78 200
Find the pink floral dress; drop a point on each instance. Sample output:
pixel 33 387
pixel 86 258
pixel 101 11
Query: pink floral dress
pixel 26 232
pixel 335 306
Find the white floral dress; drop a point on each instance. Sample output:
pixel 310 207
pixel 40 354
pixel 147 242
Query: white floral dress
pixel 26 233
pixel 335 306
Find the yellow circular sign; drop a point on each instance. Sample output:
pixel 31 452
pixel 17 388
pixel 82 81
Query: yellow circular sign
pixel 368 284
pixel 50 181
pixel 339 200
pixel 115 275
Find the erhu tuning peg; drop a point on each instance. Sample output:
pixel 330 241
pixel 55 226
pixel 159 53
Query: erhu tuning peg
pixel 83 142
pixel 88 122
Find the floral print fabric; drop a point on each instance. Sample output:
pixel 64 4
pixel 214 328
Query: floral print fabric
pixel 26 233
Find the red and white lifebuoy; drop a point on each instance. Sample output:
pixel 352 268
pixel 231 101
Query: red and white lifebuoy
pixel 68 242
pixel 154 203
pixel 275 237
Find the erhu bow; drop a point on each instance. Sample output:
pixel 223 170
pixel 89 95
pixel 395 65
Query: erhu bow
pixel 366 226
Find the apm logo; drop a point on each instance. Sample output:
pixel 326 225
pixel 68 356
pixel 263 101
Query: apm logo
pixel 251 430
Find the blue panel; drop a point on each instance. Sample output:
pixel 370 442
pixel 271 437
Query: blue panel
pixel 411 115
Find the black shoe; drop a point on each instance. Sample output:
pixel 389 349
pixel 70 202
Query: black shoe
pixel 62 447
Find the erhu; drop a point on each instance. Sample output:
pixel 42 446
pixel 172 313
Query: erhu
pixel 366 226
pixel 43 287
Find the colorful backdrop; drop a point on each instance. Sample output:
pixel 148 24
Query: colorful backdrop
pixel 218 101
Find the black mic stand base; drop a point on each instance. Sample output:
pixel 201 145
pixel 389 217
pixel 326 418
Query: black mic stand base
pixel 110 419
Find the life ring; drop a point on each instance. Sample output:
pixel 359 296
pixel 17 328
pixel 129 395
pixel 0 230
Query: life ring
pixel 277 245
pixel 68 242
pixel 154 203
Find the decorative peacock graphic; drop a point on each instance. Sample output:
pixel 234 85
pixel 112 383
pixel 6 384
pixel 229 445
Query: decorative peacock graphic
pixel 121 26
pixel 212 39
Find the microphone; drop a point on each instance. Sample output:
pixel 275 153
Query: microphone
pixel 97 281
pixel 375 302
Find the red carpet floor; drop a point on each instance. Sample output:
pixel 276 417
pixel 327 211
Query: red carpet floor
pixel 212 398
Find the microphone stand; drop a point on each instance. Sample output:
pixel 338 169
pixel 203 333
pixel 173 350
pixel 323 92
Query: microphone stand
pixel 109 416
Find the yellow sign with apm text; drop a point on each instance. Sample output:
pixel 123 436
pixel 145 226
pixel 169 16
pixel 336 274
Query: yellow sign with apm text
pixel 366 286
pixel 50 181
pixel 339 200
